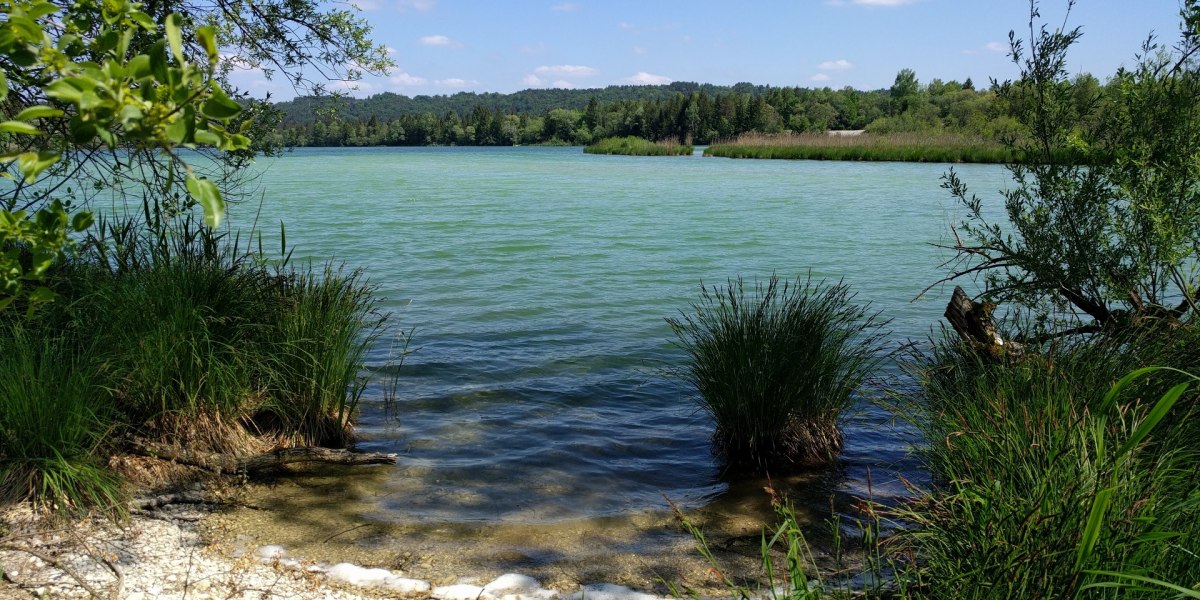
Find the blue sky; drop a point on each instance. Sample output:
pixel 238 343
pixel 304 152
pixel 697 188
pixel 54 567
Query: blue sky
pixel 446 46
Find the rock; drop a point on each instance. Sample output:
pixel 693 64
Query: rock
pixel 609 591
pixel 271 552
pixel 460 591
pixel 512 586
pixel 405 585
pixel 356 575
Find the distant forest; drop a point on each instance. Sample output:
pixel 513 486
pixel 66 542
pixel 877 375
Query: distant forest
pixel 685 112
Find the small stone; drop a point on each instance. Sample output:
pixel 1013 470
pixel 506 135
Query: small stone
pixel 356 575
pixel 512 583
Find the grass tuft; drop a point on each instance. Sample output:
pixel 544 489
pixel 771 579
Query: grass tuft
pixel 776 365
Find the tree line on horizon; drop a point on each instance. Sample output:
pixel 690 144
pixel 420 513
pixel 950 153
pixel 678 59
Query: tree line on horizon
pixel 683 112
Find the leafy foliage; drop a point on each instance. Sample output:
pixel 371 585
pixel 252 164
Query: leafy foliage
pixel 1104 214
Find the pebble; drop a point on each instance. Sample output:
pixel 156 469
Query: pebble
pixel 165 560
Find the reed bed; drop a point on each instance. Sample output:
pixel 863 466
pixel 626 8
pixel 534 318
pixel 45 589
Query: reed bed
pixel 775 364
pixel 636 146
pixel 906 147
pixel 177 337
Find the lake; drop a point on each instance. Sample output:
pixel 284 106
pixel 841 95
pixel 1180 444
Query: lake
pixel 538 391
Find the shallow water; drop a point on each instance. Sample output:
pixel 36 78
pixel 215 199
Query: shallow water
pixel 536 282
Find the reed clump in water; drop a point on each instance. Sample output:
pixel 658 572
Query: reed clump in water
pixel 908 147
pixel 775 364
pixel 636 146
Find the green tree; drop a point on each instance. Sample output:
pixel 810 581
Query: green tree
pixel 1103 217
pixel 904 90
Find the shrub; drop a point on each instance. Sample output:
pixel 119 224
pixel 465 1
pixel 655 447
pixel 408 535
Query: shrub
pixel 636 146
pixel 776 366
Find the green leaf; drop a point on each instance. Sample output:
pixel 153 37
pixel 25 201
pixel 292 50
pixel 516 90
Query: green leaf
pixel 174 36
pixel 1182 591
pixel 3 85
pixel 33 163
pixel 208 39
pixel 19 127
pixel 144 20
pixel 64 91
pixel 219 105
pixel 1157 413
pixel 1091 532
pixel 209 197
pixel 38 112
pixel 177 131
pixel 204 136
pixel 82 220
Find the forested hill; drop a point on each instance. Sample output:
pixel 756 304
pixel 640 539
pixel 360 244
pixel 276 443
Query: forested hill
pixel 388 106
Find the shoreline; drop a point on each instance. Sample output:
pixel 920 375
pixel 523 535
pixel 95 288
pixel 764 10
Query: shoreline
pixel 180 550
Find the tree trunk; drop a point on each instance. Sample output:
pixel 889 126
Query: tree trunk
pixel 972 321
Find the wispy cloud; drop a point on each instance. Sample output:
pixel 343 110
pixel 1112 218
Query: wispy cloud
pixel 840 64
pixel 819 77
pixel 644 78
pixel 565 6
pixel 367 5
pixel 996 47
pixel 417 5
pixel 402 79
pixel 565 70
pixel 439 40
pixel 456 82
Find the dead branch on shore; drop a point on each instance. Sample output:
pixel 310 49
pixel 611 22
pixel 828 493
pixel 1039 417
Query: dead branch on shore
pixel 259 463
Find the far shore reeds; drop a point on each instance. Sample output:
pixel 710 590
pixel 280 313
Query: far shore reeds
pixel 636 146
pixel 942 147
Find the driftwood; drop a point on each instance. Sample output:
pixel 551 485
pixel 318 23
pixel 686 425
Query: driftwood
pixel 972 321
pixel 259 463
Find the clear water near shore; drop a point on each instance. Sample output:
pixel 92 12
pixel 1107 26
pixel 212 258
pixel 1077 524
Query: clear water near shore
pixel 536 282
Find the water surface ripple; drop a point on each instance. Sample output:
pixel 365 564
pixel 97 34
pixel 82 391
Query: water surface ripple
pixel 537 280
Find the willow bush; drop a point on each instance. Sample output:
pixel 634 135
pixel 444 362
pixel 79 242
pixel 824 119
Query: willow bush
pixel 775 364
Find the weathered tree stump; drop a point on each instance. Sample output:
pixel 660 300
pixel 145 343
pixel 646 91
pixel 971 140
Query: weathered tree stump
pixel 972 321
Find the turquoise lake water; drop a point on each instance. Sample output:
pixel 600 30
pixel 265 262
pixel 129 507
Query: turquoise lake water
pixel 536 282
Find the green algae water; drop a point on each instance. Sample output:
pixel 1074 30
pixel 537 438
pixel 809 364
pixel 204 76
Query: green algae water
pixel 538 390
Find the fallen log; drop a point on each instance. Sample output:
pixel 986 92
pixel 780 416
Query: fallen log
pixel 973 323
pixel 267 461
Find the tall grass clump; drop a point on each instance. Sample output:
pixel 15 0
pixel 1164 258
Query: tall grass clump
pixel 52 428
pixel 776 365
pixel 326 324
pixel 636 146
pixel 908 147
pixel 1046 485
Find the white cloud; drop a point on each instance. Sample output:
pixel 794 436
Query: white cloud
pixel 456 82
pixel 351 87
pixel 626 25
pixel 565 6
pixel 996 47
pixel 390 50
pixel 883 2
pixel 417 5
pixel 644 78
pixel 564 84
pixel 438 40
pixel 819 77
pixel 366 5
pixel 639 50
pixel 532 80
pixel 565 70
pixel 403 79
pixel 840 64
